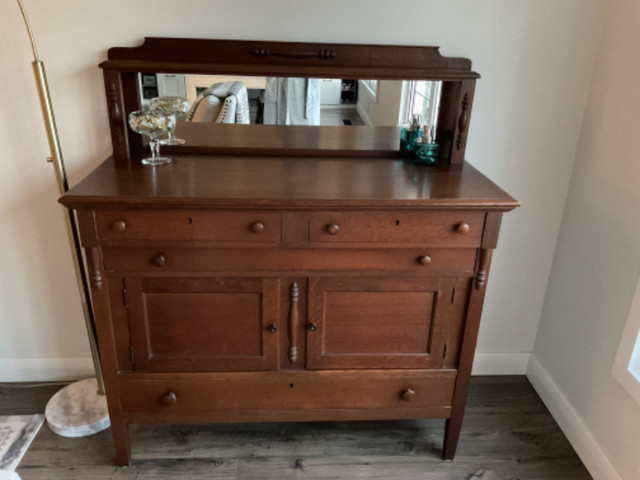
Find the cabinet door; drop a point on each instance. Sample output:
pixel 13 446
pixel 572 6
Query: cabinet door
pixel 380 322
pixel 203 324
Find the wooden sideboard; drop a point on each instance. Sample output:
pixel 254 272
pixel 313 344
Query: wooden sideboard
pixel 306 279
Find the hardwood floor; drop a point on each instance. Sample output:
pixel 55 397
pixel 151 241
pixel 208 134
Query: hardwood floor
pixel 508 434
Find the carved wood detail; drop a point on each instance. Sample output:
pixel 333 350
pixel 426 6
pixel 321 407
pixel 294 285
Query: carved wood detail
pixel 294 293
pixel 94 260
pixel 115 113
pixel 483 268
pixel 463 121
pixel 266 52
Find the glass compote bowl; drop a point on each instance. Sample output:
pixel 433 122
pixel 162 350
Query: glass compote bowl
pixel 153 125
pixel 177 106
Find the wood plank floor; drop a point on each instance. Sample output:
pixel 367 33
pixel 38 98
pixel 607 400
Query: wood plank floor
pixel 507 435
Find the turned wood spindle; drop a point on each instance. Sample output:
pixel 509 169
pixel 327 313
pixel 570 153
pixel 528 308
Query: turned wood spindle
pixel 294 316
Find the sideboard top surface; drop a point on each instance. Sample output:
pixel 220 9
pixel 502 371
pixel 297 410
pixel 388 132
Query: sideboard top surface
pixel 287 182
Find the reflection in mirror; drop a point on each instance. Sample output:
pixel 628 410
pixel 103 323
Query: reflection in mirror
pixel 297 101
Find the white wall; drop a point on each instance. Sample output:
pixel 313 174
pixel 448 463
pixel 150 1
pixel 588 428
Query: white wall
pixel 536 59
pixel 383 108
pixel 597 262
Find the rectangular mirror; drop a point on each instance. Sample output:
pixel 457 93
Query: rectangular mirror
pixel 272 100
pixel 292 98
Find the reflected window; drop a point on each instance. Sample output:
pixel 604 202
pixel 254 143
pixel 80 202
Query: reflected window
pixel 626 367
pixel 372 86
pixel 423 98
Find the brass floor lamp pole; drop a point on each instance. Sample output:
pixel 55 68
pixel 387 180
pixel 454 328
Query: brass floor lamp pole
pixel 72 397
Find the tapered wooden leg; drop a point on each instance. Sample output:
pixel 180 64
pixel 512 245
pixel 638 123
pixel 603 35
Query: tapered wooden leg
pixel 451 436
pixel 467 352
pixel 122 442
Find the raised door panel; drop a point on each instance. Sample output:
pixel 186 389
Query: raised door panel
pixel 203 324
pixel 378 322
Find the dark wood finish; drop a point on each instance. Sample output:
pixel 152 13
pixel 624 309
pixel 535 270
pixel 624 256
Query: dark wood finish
pixel 449 229
pixel 289 140
pixel 188 225
pixel 109 360
pixel 94 264
pixel 508 434
pixel 182 55
pixel 377 322
pixel 288 390
pixel 203 324
pixel 408 295
pixel 291 183
pixel 173 55
pixel 294 319
pixel 136 260
pixel 117 113
pixel 169 399
pixel 287 274
pixel 465 362
pixel 463 119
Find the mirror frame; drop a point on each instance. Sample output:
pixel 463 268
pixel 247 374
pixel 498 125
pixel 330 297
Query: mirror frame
pixel 322 60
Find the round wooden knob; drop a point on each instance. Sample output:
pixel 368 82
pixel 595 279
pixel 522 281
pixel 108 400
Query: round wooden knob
pixel 425 260
pixel 333 229
pixel 257 227
pixel 159 260
pixel 463 228
pixel 118 226
pixel 312 327
pixel 272 328
pixel 408 394
pixel 169 399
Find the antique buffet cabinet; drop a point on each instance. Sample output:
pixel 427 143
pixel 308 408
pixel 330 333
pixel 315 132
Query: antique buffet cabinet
pixel 287 273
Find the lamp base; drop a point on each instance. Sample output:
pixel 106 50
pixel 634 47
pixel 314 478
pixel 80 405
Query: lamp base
pixel 78 410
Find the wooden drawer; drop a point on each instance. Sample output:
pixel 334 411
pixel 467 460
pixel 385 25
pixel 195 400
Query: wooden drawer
pixel 418 261
pixel 189 225
pixel 440 229
pixel 193 393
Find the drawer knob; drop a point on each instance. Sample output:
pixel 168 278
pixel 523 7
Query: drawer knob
pixel 312 327
pixel 119 226
pixel 408 394
pixel 257 227
pixel 463 228
pixel 169 399
pixel 272 328
pixel 159 260
pixel 425 260
pixel 333 229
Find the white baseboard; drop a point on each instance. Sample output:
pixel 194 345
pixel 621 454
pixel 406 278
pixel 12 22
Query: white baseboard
pixel 45 369
pixel 363 115
pixel 571 424
pixel 500 363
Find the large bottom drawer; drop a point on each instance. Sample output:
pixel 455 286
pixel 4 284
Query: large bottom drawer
pixel 173 396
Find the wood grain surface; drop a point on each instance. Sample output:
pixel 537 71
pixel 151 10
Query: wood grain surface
pixel 250 181
pixel 507 434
